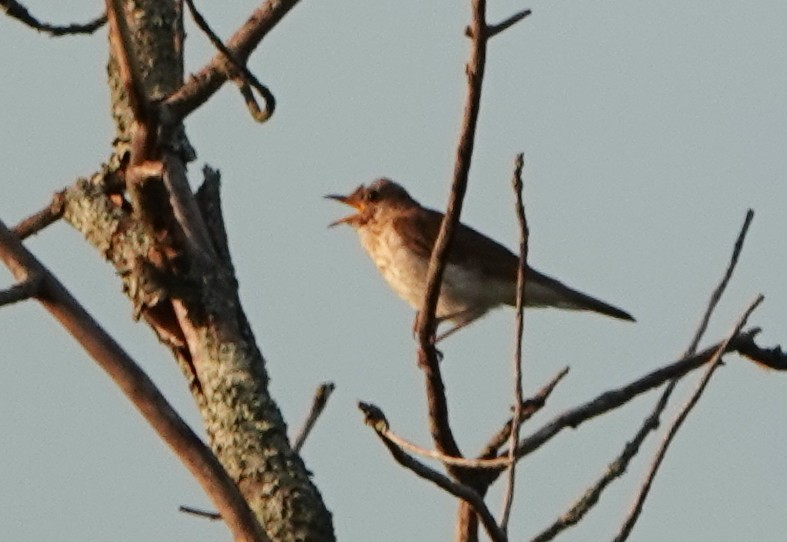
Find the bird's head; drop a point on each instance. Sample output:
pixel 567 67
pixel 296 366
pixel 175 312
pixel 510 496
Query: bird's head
pixel 372 202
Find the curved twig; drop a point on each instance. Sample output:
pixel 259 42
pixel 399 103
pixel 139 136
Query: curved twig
pixel 246 79
pixel 17 11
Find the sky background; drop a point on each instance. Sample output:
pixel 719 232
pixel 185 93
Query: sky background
pixel 649 128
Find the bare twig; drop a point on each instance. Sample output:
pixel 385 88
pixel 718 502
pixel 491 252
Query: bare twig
pixel 40 220
pixel 703 325
pixel 427 354
pixel 614 470
pixel 213 516
pixel 494 463
pixel 495 29
pixel 137 386
pixel 201 86
pixel 614 398
pixel 375 419
pixel 508 499
pixel 717 293
pixel 19 292
pixel 247 79
pixel 321 396
pixel 714 362
pixel 529 407
pixel 19 12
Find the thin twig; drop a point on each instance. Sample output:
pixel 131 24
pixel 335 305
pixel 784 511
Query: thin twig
pixel 614 398
pixel 202 85
pixel 494 29
pixel 614 470
pixel 213 516
pixel 247 79
pixel 321 396
pixel 43 218
pixel 466 463
pixel 702 327
pixel 524 234
pixel 427 353
pixel 529 407
pixel 714 363
pixel 376 420
pixel 19 12
pixel 19 292
pixel 717 293
pixel 137 386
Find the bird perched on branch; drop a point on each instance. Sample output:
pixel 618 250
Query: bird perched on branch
pixel 481 274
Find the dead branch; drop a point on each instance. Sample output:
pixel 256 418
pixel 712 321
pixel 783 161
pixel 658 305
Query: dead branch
pixel 494 29
pixel 136 385
pixel 614 470
pixel 508 499
pixel 247 80
pixel 22 291
pixel 320 400
pixel 714 363
pixel 376 420
pixel 529 408
pixel 40 220
pixel 213 516
pixel 201 86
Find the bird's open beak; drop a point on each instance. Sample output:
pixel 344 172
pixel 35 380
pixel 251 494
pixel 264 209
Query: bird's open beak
pixel 354 200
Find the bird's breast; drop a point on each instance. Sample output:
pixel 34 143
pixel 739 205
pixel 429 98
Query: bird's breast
pixel 405 271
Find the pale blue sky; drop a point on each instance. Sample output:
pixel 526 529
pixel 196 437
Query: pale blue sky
pixel 648 130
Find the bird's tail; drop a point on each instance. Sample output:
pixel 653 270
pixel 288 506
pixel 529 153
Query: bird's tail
pixel 544 291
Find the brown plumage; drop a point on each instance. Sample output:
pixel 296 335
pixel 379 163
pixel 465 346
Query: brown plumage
pixel 398 234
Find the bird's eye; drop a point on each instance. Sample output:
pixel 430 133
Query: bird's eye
pixel 372 195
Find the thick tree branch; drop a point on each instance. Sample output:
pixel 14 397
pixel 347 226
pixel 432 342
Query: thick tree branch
pixel 136 385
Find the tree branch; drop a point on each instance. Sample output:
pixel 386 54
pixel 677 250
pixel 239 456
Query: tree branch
pixel 247 79
pixel 614 470
pixel 319 401
pixel 494 29
pixel 524 233
pixel 17 11
pixel 136 385
pixel 714 363
pixel 201 86
pixel 376 420
pixel 40 220
pixel 529 407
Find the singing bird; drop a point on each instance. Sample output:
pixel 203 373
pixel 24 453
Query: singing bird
pixel 398 234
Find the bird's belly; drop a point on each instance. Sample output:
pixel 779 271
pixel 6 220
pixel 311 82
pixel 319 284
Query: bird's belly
pixel 463 290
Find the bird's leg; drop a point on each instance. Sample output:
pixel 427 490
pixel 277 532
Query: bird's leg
pixel 461 319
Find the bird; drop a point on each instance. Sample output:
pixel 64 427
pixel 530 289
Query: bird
pixel 399 234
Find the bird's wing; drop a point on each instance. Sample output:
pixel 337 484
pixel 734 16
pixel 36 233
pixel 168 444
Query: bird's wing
pixel 469 246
